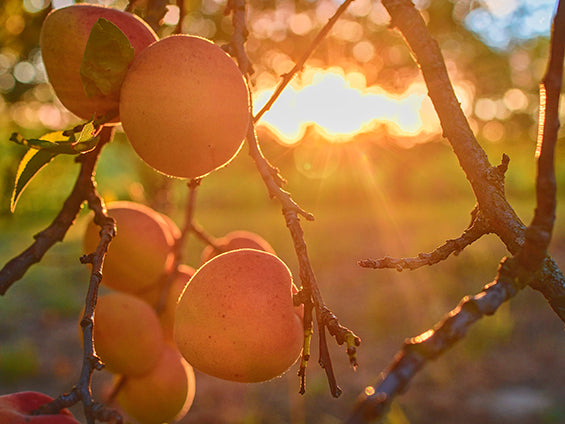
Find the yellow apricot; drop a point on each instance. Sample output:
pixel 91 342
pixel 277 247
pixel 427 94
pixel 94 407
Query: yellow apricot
pixel 184 106
pixel 236 240
pixel 164 394
pixel 141 252
pixel 236 320
pixel 63 39
pixel 127 334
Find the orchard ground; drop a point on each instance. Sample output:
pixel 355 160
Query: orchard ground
pixel 375 200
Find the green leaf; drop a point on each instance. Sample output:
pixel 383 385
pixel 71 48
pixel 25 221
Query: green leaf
pixel 29 166
pixel 70 142
pixel 107 56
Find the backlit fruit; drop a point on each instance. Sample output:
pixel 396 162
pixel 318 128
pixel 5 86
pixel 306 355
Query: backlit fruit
pixel 127 334
pixel 236 319
pixel 164 394
pixel 140 254
pixel 63 39
pixel 236 240
pixel 16 408
pixel 184 106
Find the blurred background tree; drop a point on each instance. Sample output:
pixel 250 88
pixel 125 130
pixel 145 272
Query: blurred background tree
pixel 401 186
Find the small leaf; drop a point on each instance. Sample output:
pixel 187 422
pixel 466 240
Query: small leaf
pixel 69 142
pixel 29 166
pixel 107 56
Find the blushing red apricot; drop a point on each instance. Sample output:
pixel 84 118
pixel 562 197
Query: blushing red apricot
pixel 236 240
pixel 236 320
pixel 184 106
pixel 63 39
pixel 127 334
pixel 140 254
pixel 16 408
pixel 164 394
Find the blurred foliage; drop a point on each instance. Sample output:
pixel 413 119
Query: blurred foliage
pixel 500 83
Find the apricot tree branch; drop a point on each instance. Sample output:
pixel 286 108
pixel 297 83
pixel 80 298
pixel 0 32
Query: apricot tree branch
pixel 81 392
pixel 56 231
pixel 286 78
pixel 182 14
pixel 484 179
pixel 291 211
pixel 514 273
pixel 476 230
pixel 427 346
pixel 311 291
pixel 236 47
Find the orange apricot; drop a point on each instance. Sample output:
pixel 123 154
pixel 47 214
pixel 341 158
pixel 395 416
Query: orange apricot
pixel 140 253
pixel 164 394
pixel 184 106
pixel 236 319
pixel 236 240
pixel 127 334
pixel 63 39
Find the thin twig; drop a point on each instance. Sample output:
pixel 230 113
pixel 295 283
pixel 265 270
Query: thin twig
pixel 476 230
pixel 182 13
pixel 286 78
pixel 85 189
pixel 324 317
pixel 292 212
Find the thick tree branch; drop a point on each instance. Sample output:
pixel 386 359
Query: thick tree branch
pixel 483 178
pixel 514 273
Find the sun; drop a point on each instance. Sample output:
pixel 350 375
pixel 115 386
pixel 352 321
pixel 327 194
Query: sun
pixel 340 106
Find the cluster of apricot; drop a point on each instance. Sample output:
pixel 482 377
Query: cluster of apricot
pixel 184 106
pixel 133 321
pixel 182 101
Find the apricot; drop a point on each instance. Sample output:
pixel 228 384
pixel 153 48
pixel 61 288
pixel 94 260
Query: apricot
pixel 140 254
pixel 164 394
pixel 236 240
pixel 16 408
pixel 63 39
pixel 236 320
pixel 127 334
pixel 184 106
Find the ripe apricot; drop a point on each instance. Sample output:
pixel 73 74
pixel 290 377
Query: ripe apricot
pixel 184 106
pixel 127 334
pixel 236 240
pixel 63 39
pixel 16 408
pixel 164 394
pixel 236 320
pixel 140 253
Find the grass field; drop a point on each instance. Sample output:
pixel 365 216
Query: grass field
pixel 368 201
